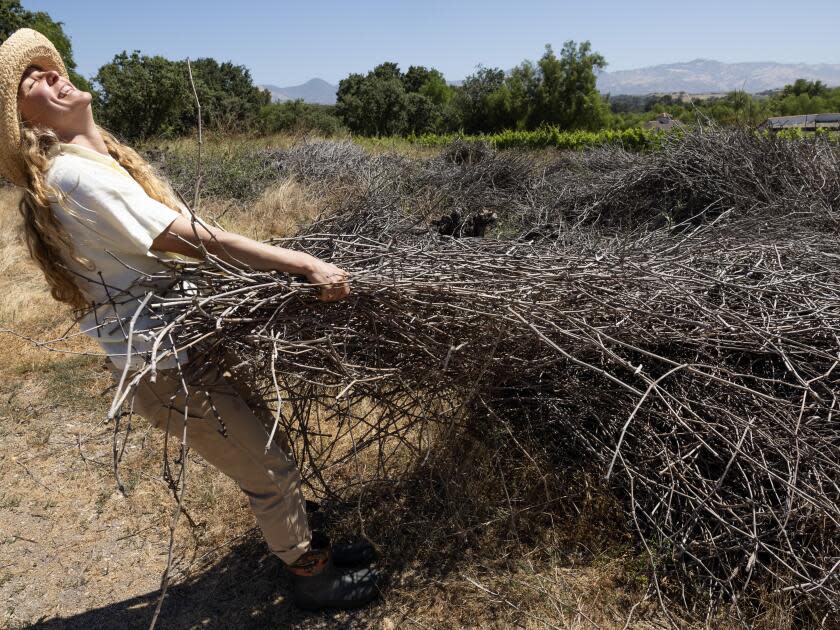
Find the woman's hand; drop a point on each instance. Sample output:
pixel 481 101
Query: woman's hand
pixel 334 281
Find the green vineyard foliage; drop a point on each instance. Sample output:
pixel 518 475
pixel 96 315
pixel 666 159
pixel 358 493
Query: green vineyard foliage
pixel 634 139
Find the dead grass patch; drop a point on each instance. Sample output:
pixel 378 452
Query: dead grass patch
pixel 280 211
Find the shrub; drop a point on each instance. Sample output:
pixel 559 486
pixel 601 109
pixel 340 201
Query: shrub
pixel 635 139
pixel 297 116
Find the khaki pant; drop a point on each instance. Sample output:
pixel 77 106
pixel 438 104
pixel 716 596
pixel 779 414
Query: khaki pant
pixel 270 479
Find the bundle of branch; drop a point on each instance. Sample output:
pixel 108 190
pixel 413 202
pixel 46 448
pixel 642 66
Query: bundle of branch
pixel 697 176
pixel 670 317
pixel 699 373
pixel 388 194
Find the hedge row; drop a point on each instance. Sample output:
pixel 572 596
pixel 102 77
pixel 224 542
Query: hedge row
pixel 550 137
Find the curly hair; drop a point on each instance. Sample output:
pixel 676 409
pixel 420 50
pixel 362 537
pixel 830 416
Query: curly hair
pixel 48 242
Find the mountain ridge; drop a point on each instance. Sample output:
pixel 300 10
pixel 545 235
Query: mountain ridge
pixel 313 91
pixel 698 76
pixel 703 75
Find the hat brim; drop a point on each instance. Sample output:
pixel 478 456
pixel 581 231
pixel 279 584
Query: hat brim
pixel 22 49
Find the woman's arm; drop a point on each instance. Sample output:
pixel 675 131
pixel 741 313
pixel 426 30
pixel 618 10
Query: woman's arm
pixel 181 238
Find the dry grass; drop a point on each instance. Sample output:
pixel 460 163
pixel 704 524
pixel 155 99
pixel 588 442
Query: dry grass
pixel 284 140
pixel 224 141
pixel 280 211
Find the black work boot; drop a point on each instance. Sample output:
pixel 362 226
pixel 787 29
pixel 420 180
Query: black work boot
pixel 320 584
pixel 345 555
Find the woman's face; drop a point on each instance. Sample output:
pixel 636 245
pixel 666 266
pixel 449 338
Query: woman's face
pixel 46 98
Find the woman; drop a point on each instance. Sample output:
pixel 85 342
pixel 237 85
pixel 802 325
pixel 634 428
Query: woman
pixel 94 216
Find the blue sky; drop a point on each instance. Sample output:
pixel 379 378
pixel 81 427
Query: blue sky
pixel 286 43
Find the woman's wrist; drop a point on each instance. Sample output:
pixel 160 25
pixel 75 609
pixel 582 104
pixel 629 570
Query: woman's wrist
pixel 308 263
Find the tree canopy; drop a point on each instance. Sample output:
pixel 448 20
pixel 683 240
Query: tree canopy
pixel 564 92
pixel 555 90
pixel 141 96
pixel 298 116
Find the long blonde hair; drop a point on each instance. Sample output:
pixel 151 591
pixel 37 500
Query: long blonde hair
pixel 48 242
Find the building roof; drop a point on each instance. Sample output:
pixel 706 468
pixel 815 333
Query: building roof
pixel 663 122
pixel 808 122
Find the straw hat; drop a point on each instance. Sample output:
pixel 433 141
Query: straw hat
pixel 22 49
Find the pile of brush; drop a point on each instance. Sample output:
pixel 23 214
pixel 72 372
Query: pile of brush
pixel 672 319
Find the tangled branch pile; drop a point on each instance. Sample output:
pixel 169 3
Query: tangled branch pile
pixel 695 177
pixel 671 318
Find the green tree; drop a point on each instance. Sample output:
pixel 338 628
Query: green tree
pixel 436 89
pixel 374 104
pixel 13 16
pixel 297 116
pixel 474 99
pixel 566 95
pixel 229 99
pixel 349 104
pixel 428 82
pixel 451 115
pixel 804 86
pixel 415 78
pixel 554 91
pixel 142 96
pixel 387 103
pixel 522 84
pixel 422 115
pixel 387 71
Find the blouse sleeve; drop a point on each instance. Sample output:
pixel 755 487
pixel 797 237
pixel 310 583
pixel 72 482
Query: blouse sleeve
pixel 113 206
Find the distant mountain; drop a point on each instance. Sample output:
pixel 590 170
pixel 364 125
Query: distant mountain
pixel 706 75
pixel 701 76
pixel 313 91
